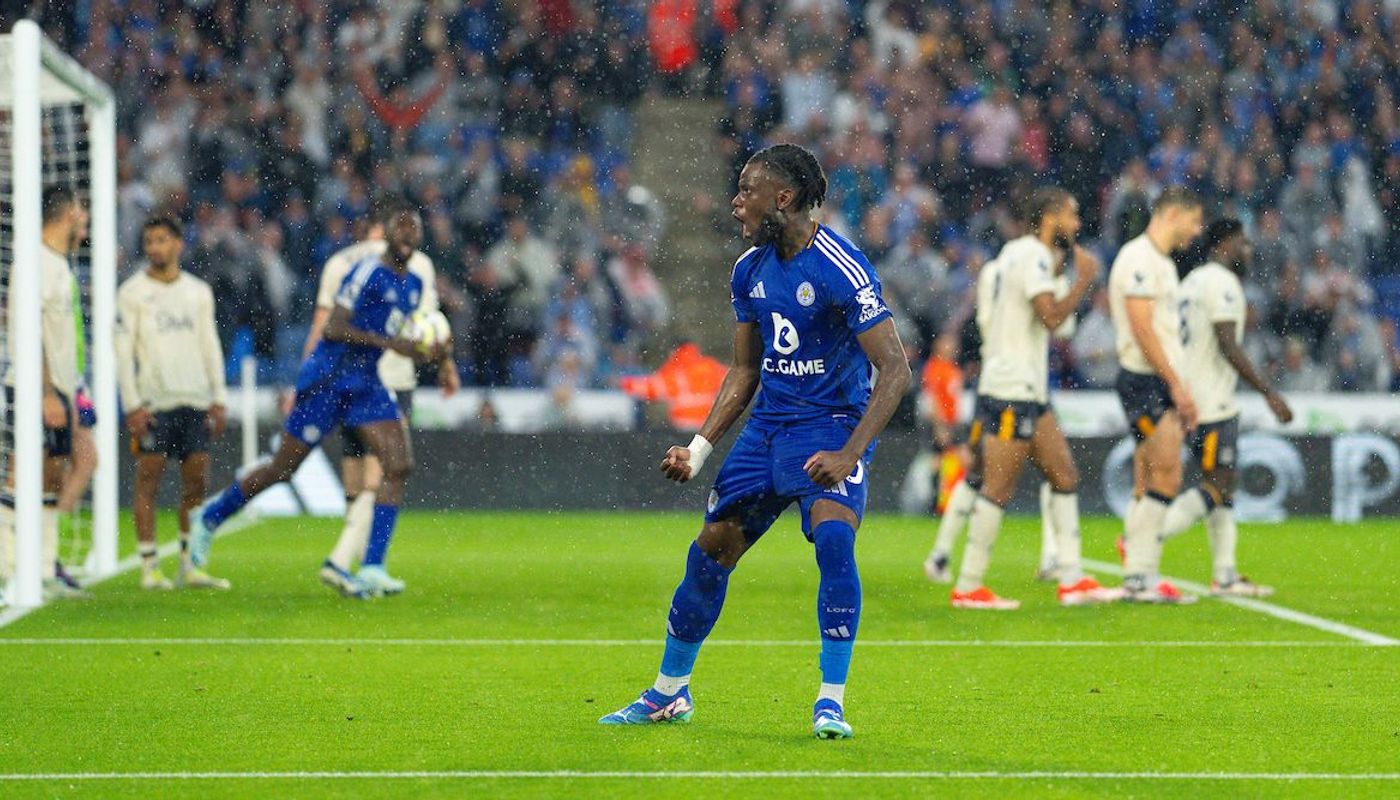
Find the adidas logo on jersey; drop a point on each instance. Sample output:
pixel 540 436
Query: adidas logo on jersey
pixel 758 293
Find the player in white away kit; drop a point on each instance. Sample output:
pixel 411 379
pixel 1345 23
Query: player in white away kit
pixel 1142 296
pixel 360 471
pixel 65 221
pixel 171 368
pixel 1016 311
pixel 1212 326
pixel 937 565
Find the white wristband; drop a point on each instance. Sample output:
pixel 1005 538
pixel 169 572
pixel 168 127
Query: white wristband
pixel 700 449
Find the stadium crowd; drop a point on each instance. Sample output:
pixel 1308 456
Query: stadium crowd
pixel 934 118
pixel 268 127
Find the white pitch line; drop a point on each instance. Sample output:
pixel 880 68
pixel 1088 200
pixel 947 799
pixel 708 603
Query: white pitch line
pixel 1272 609
pixel 706 775
pixel 903 643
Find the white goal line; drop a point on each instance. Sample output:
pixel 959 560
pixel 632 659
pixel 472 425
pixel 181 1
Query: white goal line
pixel 1035 775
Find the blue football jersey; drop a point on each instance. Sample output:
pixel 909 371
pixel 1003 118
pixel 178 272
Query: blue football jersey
pixel 379 300
pixel 809 311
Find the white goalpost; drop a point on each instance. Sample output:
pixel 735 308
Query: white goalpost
pixel 57 126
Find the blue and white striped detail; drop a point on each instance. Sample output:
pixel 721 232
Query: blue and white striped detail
pixel 849 267
pixel 355 283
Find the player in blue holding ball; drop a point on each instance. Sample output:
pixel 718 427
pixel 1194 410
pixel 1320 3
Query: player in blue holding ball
pixel 811 325
pixel 339 384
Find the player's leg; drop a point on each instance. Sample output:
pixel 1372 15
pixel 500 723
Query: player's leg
pixel 1049 569
pixel 387 440
pixel 315 411
pixel 1003 457
pixel 81 466
pixel 205 521
pixel 359 505
pixel 57 463
pixel 149 468
pixel 833 529
pixel 1060 499
pixel 58 454
pixel 1161 453
pixel 194 484
pixel 1194 504
pixel 741 509
pixel 957 512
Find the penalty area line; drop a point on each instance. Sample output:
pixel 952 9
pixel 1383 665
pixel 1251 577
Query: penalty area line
pixel 1271 609
pixel 705 775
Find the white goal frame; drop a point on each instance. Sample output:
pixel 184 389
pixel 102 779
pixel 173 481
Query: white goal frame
pixel 41 74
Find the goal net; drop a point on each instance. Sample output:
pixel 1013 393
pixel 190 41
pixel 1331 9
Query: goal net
pixel 57 128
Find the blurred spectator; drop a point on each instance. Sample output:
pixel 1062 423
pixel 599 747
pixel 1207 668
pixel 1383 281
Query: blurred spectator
pixel 491 293
pixel 526 261
pixel 913 275
pixel 644 301
pixel 1300 373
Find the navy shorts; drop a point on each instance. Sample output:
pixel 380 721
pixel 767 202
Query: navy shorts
pixel 177 433
pixel 763 474
pixel 1146 399
pixel 58 442
pixel 319 408
pixel 1215 445
pixel 1005 419
pixel 353 446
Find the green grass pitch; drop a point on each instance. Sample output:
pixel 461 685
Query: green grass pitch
pixel 540 623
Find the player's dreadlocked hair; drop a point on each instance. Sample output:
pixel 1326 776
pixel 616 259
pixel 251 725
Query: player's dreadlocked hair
pixel 1042 201
pixel 799 168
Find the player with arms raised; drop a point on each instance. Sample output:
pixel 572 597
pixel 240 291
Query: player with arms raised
pixel 1212 326
pixel 1142 297
pixel 1017 308
pixel 811 324
pixel 339 385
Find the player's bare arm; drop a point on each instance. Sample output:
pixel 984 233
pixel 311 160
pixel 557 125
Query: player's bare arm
pixel 882 346
pixel 319 318
pixel 1140 310
pixel 735 394
pixel 1051 312
pixel 339 329
pixel 1233 353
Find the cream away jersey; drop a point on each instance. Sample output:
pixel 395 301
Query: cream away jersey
pixel 1141 270
pixel 168 351
pixel 1015 344
pixel 398 372
pixel 58 327
pixel 1210 294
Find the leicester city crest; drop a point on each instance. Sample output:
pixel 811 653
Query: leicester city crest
pixel 806 295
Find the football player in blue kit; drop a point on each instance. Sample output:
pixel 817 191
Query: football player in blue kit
pixel 811 325
pixel 339 385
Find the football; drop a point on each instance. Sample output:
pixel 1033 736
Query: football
pixel 427 329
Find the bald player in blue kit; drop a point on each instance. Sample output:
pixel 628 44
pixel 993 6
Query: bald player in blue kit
pixel 812 331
